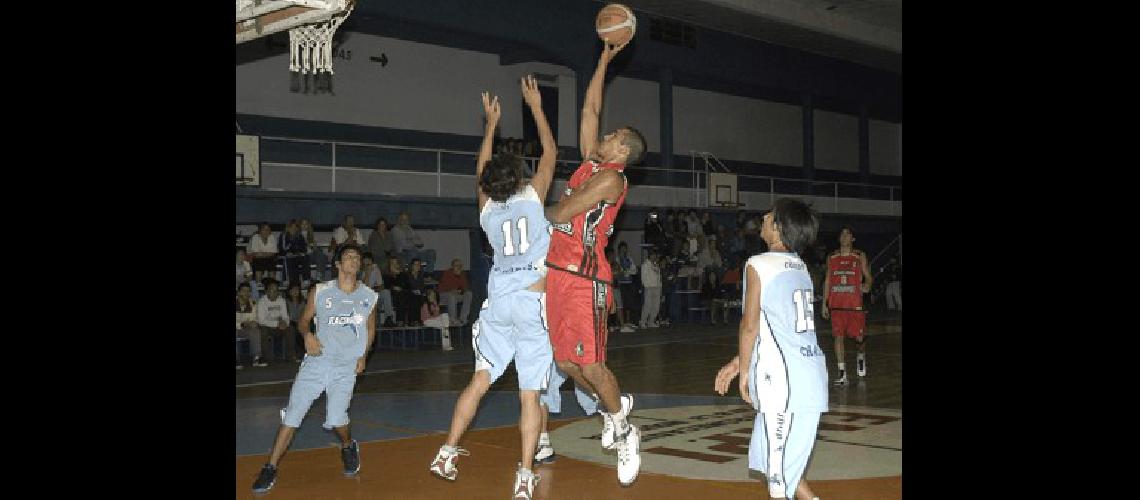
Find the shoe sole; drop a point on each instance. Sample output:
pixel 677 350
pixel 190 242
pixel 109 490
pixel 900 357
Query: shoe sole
pixel 546 461
pixel 267 488
pixel 445 478
pixel 353 473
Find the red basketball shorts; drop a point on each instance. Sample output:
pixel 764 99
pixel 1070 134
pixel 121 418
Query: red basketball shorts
pixel 848 323
pixel 576 312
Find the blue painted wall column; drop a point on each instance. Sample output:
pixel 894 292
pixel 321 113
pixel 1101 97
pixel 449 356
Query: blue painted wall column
pixel 665 103
pixel 864 148
pixel 809 141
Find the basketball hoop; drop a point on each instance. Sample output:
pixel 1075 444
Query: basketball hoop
pixel 311 25
pixel 310 46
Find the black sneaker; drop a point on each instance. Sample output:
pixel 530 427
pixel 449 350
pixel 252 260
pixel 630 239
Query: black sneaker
pixel 265 479
pixel 351 457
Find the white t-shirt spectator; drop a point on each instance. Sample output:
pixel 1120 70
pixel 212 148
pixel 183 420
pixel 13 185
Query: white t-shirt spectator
pixel 256 245
pixel 404 238
pixel 243 271
pixel 269 312
pixel 650 274
pixel 341 235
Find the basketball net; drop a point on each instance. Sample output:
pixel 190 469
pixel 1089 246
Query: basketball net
pixel 310 46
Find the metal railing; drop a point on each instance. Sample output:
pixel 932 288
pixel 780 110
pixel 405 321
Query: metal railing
pixel 360 156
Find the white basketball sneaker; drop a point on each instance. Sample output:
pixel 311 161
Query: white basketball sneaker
pixel 842 379
pixel 524 484
pixel 861 364
pixel 609 434
pixel 629 456
pixel 545 452
pixel 444 463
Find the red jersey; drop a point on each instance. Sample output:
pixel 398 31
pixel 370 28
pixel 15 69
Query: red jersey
pixel 579 246
pixel 846 283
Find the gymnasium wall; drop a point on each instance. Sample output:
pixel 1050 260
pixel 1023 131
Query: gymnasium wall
pixel 435 89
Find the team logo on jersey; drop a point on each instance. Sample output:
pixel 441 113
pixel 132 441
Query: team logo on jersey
pixel 346 319
pixel 711 442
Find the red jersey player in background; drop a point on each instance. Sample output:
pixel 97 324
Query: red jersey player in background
pixel 580 279
pixel 848 278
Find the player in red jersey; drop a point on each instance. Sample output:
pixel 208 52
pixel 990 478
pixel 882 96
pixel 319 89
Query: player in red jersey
pixel 848 278
pixel 580 279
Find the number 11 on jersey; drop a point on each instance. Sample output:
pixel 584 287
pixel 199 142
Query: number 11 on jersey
pixel 524 242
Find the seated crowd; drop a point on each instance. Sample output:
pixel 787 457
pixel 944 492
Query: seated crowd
pixel 688 263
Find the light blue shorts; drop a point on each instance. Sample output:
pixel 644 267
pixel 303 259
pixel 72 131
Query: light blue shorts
pixel 552 397
pixel 513 327
pixel 320 374
pixel 780 448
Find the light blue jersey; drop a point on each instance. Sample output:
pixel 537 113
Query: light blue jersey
pixel 788 372
pixel 342 321
pixel 520 235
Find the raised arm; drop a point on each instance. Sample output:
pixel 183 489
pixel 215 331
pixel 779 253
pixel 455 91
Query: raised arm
pixel 545 171
pixel 606 185
pixel 592 108
pixel 492 111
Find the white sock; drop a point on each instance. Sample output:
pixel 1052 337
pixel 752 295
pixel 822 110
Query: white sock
pixel 620 425
pixel 842 366
pixel 544 438
pixel 861 356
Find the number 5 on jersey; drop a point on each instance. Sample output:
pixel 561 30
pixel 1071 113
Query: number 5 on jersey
pixel 524 243
pixel 805 313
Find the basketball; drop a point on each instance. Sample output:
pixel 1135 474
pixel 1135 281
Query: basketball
pixel 616 24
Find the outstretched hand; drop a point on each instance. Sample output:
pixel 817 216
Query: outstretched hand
pixel 530 93
pixel 725 375
pixel 610 50
pixel 491 108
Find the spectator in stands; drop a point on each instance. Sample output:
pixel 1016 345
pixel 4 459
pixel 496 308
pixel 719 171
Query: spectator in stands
pixel 399 284
pixel 263 248
pixel 380 241
pixel 618 309
pixel 625 274
pixel 294 304
pixel 293 248
pixel 247 324
pixel 273 318
pixel 348 233
pixel 244 272
pixel 372 277
pixel 678 238
pixel 709 257
pixel 893 272
pixel 651 282
pixel 735 244
pixel 692 224
pixel 654 233
pixel 453 289
pixel 728 292
pixel 416 286
pixel 431 315
pixel 708 227
pixel 317 257
pixel 409 245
